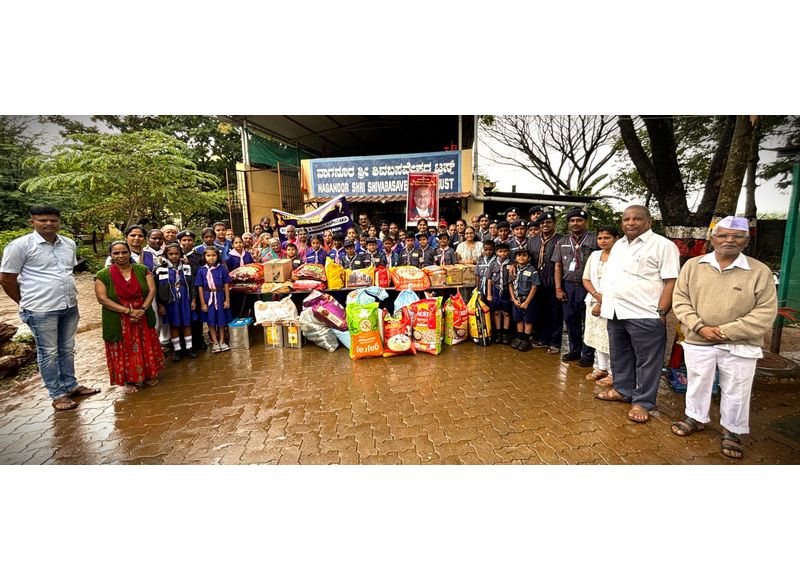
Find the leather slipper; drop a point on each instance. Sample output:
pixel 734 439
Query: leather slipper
pixel 82 391
pixel 611 395
pixel 64 403
pixel 644 411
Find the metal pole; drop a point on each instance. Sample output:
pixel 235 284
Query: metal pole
pixel 787 257
pixel 460 131
pixel 228 191
pixel 475 155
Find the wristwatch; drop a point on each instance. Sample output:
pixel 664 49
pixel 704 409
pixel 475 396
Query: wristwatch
pixel 661 311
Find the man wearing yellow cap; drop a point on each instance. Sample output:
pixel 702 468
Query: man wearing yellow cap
pixel 725 302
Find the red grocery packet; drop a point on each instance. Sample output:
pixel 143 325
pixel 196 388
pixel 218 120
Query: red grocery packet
pixel 397 333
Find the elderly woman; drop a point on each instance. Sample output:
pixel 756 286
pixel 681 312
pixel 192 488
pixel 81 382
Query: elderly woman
pixel 273 252
pixel 126 291
pixel 469 250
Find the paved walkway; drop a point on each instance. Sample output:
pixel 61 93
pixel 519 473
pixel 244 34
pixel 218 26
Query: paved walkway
pixel 470 405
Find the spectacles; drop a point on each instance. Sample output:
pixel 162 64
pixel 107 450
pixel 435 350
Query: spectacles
pixel 737 237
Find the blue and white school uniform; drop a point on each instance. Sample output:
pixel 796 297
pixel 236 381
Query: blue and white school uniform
pixel 178 280
pixel 236 260
pixel 216 315
pixel 315 256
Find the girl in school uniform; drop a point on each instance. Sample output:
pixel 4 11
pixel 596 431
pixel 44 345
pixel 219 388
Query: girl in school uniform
pixel 238 256
pixel 213 283
pixel 174 279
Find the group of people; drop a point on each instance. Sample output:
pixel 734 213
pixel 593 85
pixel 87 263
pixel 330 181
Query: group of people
pixel 613 294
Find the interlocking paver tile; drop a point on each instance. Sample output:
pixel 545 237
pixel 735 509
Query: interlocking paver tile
pixel 277 406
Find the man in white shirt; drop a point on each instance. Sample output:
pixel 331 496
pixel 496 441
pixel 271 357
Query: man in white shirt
pixel 639 279
pixel 36 273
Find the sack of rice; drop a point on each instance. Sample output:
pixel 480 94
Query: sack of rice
pixel 364 327
pixel 428 325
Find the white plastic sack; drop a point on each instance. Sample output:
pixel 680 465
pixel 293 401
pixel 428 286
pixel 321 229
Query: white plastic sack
pixel 317 332
pixel 404 298
pixel 367 295
pixel 273 311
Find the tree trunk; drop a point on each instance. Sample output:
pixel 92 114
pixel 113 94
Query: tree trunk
pixel 662 174
pixel 750 209
pixel 705 211
pixel 736 167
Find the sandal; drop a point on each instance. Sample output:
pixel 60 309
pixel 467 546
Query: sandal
pixel 606 382
pixel 552 350
pixel 687 426
pixel 130 389
pixel 638 414
pixel 82 391
pixel 596 375
pixel 611 395
pixel 64 403
pixel 731 445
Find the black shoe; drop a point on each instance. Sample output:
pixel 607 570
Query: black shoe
pixel 505 337
pixel 191 353
pixel 585 363
pixel 571 356
pixel 177 356
pixel 524 346
pixel 516 342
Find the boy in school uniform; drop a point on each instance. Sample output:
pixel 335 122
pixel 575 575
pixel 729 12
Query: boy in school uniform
pixel 195 260
pixel 407 254
pixel 503 233
pixel 482 267
pixel 376 258
pixel 522 290
pixel 389 253
pixel 520 238
pixel 497 294
pixel 350 255
pixel 445 255
pixel 291 254
pixel 425 254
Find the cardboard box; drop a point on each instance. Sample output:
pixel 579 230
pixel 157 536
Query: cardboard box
pixel 278 270
pixel 454 275
pixel 292 335
pixel 468 274
pixel 273 335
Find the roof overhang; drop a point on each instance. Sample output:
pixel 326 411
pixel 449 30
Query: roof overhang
pixel 355 135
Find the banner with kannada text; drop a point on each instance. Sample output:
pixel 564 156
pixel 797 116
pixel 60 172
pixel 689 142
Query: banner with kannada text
pixel 334 215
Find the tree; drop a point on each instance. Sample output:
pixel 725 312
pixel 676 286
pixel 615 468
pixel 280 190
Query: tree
pixel 565 152
pixel 143 176
pixel 739 154
pixel 213 144
pixel 16 145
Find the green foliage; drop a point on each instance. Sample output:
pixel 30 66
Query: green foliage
pixel 7 236
pixel 143 176
pixel 696 138
pixel 83 251
pixel 785 129
pixel 16 145
pixel 213 145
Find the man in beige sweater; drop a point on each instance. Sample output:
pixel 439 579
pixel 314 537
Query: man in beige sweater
pixel 725 301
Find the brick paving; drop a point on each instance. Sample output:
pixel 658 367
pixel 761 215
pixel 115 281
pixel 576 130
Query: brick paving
pixel 307 406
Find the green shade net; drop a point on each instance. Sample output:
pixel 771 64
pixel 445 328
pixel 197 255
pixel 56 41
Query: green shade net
pixel 789 288
pixel 264 151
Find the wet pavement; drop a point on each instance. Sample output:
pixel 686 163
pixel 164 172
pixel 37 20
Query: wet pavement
pixel 469 405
